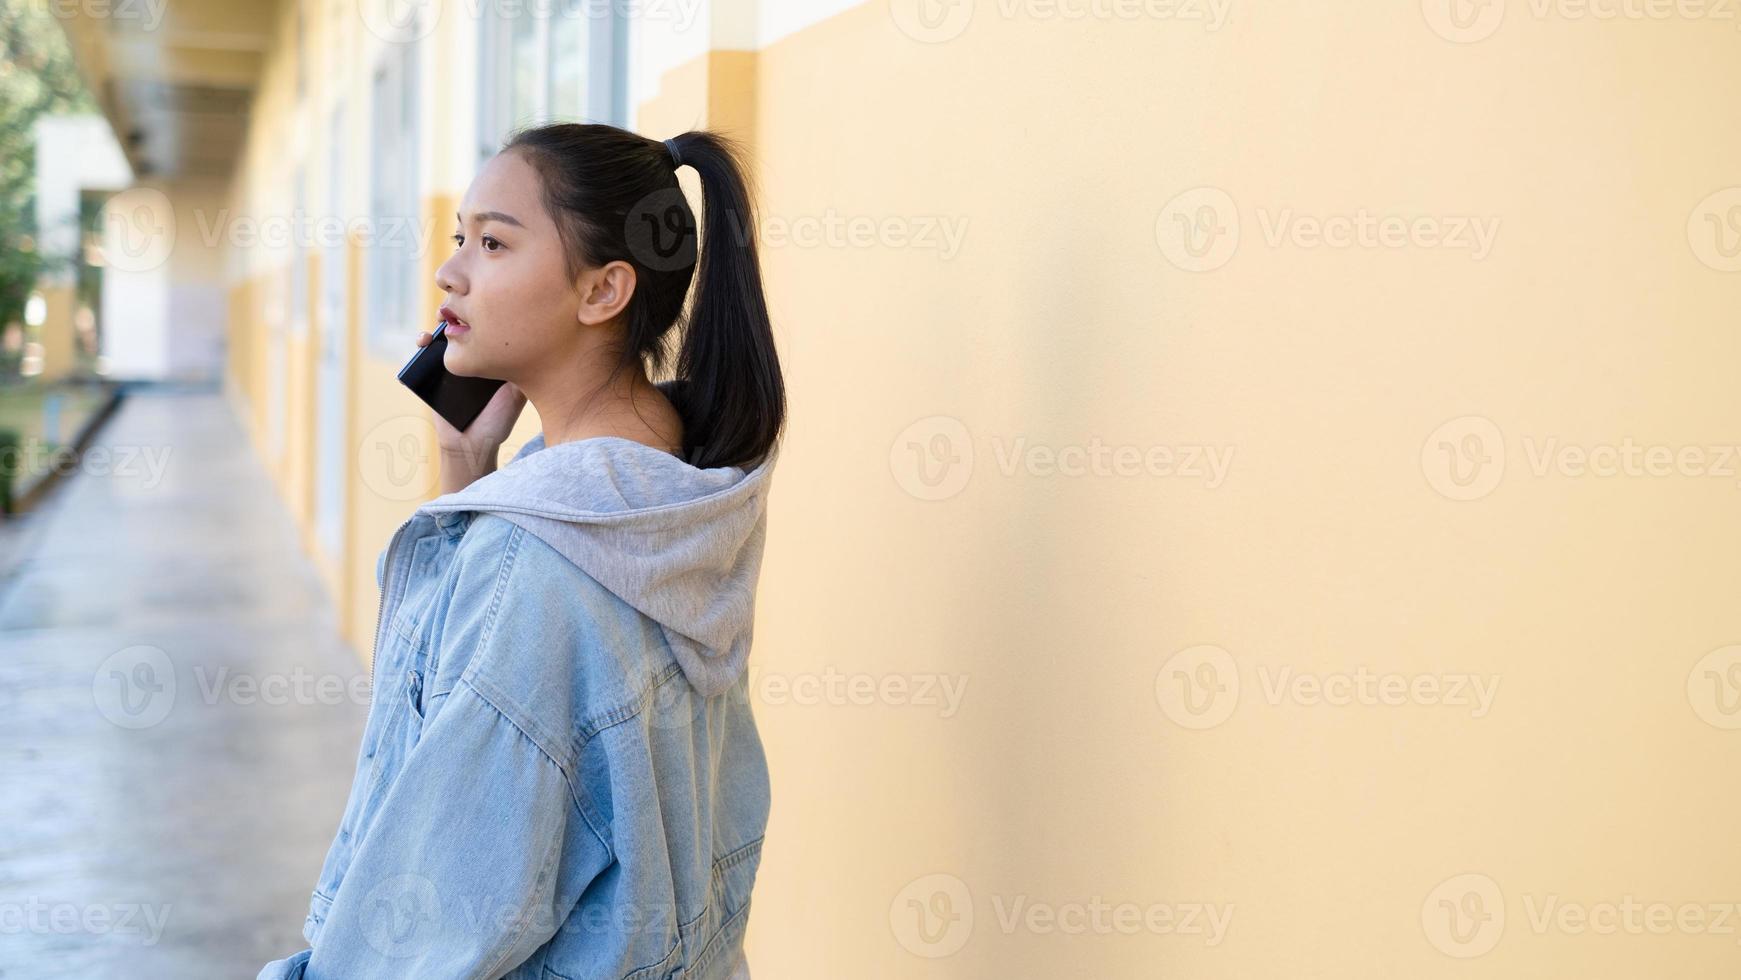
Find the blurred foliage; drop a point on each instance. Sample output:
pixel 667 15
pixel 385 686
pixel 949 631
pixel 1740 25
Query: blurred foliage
pixel 10 470
pixel 37 78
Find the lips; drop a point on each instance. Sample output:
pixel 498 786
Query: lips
pixel 454 323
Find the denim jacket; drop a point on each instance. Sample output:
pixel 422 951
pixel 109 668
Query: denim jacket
pixel 560 776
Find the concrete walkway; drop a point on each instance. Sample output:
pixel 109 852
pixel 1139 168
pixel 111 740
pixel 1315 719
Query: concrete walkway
pixel 178 717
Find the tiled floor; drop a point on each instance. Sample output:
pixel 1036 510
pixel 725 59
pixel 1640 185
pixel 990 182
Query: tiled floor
pixel 178 717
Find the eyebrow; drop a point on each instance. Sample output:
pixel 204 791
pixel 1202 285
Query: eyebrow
pixel 483 216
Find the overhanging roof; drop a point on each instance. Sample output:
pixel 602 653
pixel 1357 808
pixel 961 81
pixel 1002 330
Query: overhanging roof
pixel 175 78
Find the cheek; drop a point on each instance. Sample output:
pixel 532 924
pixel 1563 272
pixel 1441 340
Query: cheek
pixel 523 301
pixel 506 287
pixel 543 308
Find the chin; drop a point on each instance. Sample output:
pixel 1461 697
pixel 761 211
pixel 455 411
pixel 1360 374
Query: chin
pixel 456 366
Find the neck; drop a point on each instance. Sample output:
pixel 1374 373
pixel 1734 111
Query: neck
pixel 574 401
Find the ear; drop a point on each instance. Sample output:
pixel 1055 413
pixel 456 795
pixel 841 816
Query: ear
pixel 605 292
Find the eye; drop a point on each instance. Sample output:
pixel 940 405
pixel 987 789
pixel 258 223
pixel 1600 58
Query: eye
pixel 459 242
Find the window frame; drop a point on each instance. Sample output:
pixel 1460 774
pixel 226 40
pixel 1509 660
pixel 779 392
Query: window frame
pixel 392 267
pixel 604 46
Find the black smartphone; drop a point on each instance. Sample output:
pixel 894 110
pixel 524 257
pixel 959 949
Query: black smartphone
pixel 456 399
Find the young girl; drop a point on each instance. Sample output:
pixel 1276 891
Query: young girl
pixel 560 776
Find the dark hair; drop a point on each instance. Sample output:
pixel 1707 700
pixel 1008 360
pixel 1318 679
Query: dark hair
pixel 614 196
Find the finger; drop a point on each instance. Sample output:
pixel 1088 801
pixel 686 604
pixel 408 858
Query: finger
pixel 424 338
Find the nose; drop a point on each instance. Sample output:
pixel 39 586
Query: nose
pixel 448 277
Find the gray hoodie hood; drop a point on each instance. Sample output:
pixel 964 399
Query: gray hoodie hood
pixel 682 545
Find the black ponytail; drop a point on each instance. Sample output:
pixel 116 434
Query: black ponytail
pixel 615 196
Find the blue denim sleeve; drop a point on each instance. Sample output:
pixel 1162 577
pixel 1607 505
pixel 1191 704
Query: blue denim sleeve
pixel 477 854
pixel 289 968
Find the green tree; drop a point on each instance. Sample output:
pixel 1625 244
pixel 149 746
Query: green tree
pixel 37 78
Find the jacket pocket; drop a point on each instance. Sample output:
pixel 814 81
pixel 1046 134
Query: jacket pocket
pixel 734 875
pixel 396 719
pixel 416 709
pixel 721 926
pixel 414 691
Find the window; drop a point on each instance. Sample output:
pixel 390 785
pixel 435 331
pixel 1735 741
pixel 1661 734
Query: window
pixel 332 242
pixel 301 53
pixel 561 61
pixel 299 259
pixel 392 272
pixel 335 45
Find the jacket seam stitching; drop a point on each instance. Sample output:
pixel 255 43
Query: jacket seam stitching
pixel 711 948
pixel 503 570
pixel 583 740
pixel 737 854
pixel 567 777
pixel 730 860
pixel 716 943
pixel 476 678
pixel 592 727
pixel 601 723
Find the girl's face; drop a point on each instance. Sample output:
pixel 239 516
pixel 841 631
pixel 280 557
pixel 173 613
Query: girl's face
pixel 507 280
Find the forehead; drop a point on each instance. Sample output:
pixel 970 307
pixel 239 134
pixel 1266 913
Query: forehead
pixel 506 183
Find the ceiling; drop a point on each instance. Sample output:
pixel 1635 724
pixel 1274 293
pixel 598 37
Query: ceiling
pixel 174 77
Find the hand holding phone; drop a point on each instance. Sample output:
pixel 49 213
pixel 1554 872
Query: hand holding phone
pixel 473 416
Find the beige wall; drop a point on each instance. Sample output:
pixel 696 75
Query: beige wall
pixel 1134 653
pixel 1061 601
pixel 56 333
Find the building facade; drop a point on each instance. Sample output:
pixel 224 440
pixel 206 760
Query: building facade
pixel 1161 371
